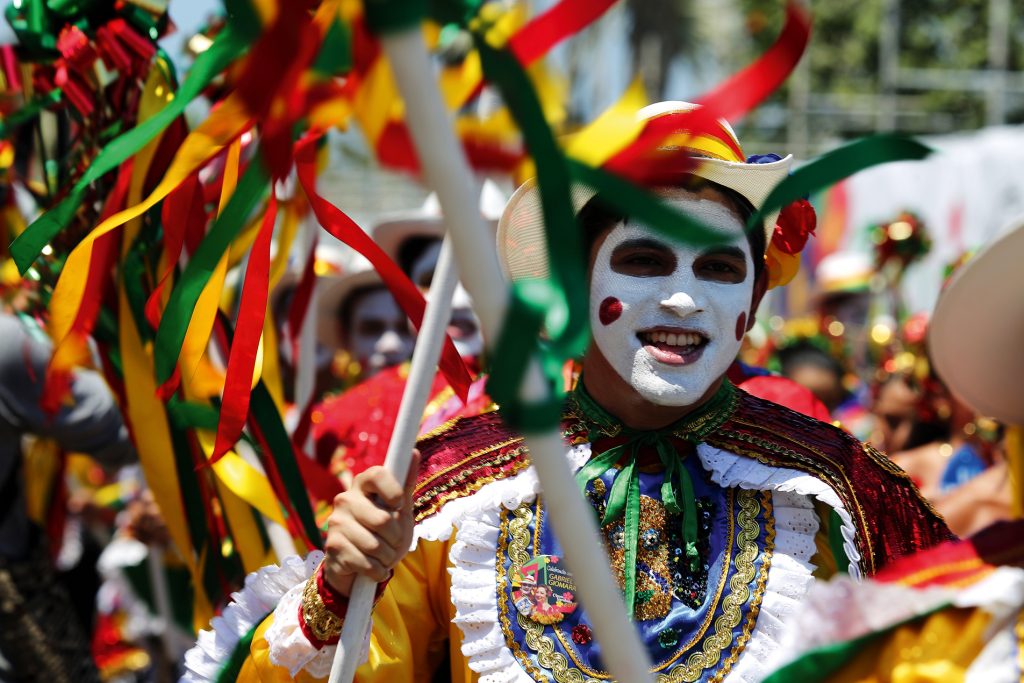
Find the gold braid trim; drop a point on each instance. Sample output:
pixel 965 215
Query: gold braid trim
pixel 515 540
pixel 321 622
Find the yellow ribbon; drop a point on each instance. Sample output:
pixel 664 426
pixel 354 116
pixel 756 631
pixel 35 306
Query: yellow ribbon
pixel 226 122
pixel 612 131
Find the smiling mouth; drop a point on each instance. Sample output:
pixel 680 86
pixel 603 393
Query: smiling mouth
pixel 676 347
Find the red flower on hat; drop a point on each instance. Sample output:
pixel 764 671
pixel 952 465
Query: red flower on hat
pixel 795 224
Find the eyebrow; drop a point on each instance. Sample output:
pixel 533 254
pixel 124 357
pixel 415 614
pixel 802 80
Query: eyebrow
pixel 735 252
pixel 642 243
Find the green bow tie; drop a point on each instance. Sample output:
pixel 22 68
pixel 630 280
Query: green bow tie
pixel 624 496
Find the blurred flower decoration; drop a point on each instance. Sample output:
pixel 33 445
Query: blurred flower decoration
pixel 900 243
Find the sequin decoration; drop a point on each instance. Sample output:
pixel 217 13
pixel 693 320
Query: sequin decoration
pixel 581 634
pixel 668 638
pixel 653 580
pixel 690 587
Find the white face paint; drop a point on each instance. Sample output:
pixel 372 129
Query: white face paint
pixel 379 336
pixel 680 308
pixel 464 328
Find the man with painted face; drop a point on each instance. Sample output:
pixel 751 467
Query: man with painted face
pixel 359 315
pixel 718 510
pixel 352 431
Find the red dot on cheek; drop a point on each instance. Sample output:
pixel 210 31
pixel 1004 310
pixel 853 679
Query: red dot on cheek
pixel 741 326
pixel 609 311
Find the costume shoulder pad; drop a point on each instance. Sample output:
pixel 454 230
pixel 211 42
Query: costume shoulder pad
pixel 891 516
pixel 461 456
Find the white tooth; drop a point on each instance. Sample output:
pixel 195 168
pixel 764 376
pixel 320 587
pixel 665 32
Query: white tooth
pixel 691 339
pixel 672 339
pixel 659 337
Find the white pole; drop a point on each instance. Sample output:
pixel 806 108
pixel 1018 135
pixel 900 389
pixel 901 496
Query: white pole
pixel 165 626
pixel 414 399
pixel 305 364
pixel 574 521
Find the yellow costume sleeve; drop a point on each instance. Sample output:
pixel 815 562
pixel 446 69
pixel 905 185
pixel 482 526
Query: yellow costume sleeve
pixel 411 627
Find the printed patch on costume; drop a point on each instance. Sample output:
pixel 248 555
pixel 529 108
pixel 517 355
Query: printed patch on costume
pixel 542 591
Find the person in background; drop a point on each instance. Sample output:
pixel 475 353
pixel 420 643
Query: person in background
pixel 359 315
pixel 809 366
pixel 40 638
pixel 352 430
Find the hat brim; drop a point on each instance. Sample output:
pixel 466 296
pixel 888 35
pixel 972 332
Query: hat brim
pixel 521 242
pixel 331 293
pixel 390 234
pixel 975 332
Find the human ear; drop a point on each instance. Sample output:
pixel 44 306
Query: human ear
pixel 760 287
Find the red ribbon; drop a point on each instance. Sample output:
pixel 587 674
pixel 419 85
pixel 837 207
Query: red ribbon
pixel 252 312
pixel 182 208
pixel 58 377
pixel 730 100
pixel 552 27
pixel 408 297
pixel 299 306
pixel 746 89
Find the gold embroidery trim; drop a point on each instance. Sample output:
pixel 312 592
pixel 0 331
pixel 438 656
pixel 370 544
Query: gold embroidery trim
pixel 755 604
pixel 444 492
pixel 812 466
pixel 516 538
pixel 483 451
pixel 321 622
pixel 447 426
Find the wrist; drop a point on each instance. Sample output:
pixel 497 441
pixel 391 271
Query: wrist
pixel 341 584
pixel 323 608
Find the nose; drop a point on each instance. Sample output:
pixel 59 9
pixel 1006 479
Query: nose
pixel 390 342
pixel 681 304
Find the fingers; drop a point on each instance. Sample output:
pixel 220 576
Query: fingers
pixel 381 483
pixel 371 526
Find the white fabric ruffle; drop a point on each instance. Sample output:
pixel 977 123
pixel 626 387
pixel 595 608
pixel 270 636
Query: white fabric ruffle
pixel 474 573
pixel 731 470
pixel 264 589
pixel 790 575
pixel 509 493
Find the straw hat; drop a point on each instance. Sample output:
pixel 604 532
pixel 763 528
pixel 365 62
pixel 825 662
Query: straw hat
pixel 389 234
pixel 428 221
pixel 976 330
pixel 521 243
pixel 332 291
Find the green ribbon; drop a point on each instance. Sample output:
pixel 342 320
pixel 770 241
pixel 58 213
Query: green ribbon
pixel 624 496
pixel 838 164
pixel 182 302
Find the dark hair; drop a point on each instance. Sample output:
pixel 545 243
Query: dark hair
pixel 598 215
pixel 347 306
pixel 804 354
pixel 411 249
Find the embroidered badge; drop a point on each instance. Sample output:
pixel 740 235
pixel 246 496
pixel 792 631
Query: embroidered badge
pixel 542 591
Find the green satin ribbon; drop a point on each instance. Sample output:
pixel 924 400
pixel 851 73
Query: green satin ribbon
pixel 676 488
